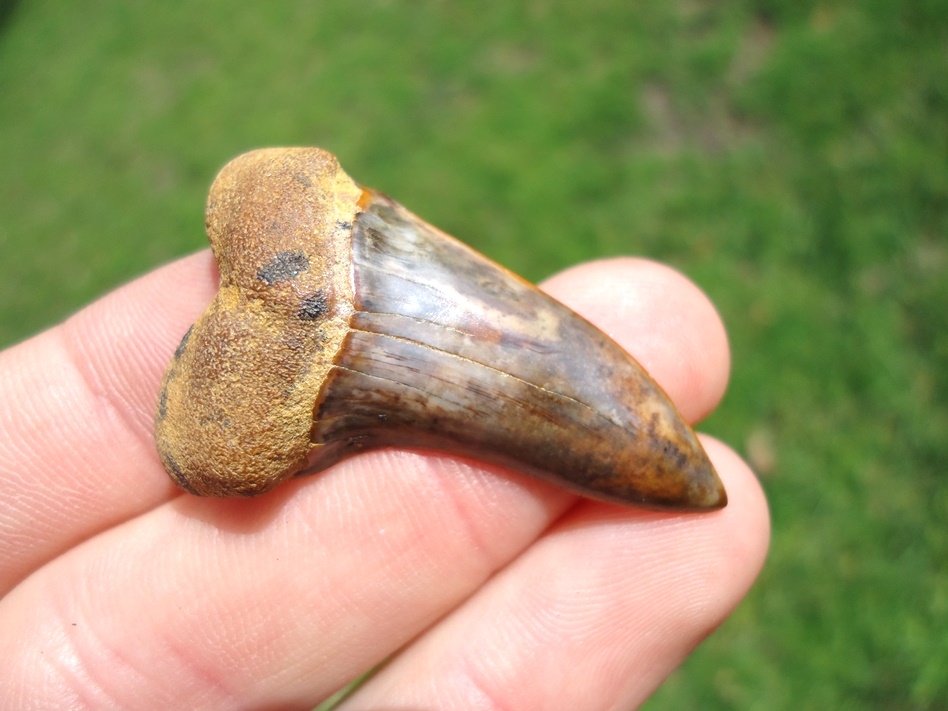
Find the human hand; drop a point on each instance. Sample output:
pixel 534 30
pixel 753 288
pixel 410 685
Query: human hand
pixel 489 588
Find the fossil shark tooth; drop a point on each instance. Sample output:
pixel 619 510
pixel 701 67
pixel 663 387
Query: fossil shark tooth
pixel 344 323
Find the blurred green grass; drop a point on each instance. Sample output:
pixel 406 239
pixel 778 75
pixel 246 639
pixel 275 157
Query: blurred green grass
pixel 791 157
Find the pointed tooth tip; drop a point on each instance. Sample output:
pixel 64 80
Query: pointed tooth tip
pixel 702 496
pixel 714 500
pixel 708 493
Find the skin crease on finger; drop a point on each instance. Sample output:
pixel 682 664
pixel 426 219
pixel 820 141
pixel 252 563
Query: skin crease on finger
pixel 595 615
pixel 234 611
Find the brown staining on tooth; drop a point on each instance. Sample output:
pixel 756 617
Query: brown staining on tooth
pixel 345 323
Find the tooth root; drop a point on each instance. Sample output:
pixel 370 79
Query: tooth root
pixel 344 323
pixel 449 351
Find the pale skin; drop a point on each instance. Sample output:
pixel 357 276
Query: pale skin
pixel 486 589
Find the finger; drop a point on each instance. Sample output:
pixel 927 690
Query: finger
pixel 77 408
pixel 278 599
pixel 593 616
pixel 662 319
pixel 285 597
pixel 87 389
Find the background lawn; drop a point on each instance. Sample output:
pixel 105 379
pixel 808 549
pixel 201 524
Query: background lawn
pixel 788 155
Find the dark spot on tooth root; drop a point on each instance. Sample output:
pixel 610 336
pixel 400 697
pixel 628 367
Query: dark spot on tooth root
pixel 313 306
pixel 171 464
pixel 172 467
pixel 163 404
pixel 179 351
pixel 283 267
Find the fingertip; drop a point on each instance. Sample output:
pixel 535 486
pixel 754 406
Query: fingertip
pixel 660 317
pixel 745 522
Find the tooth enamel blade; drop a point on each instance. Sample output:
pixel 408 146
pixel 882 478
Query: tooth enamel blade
pixel 449 351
